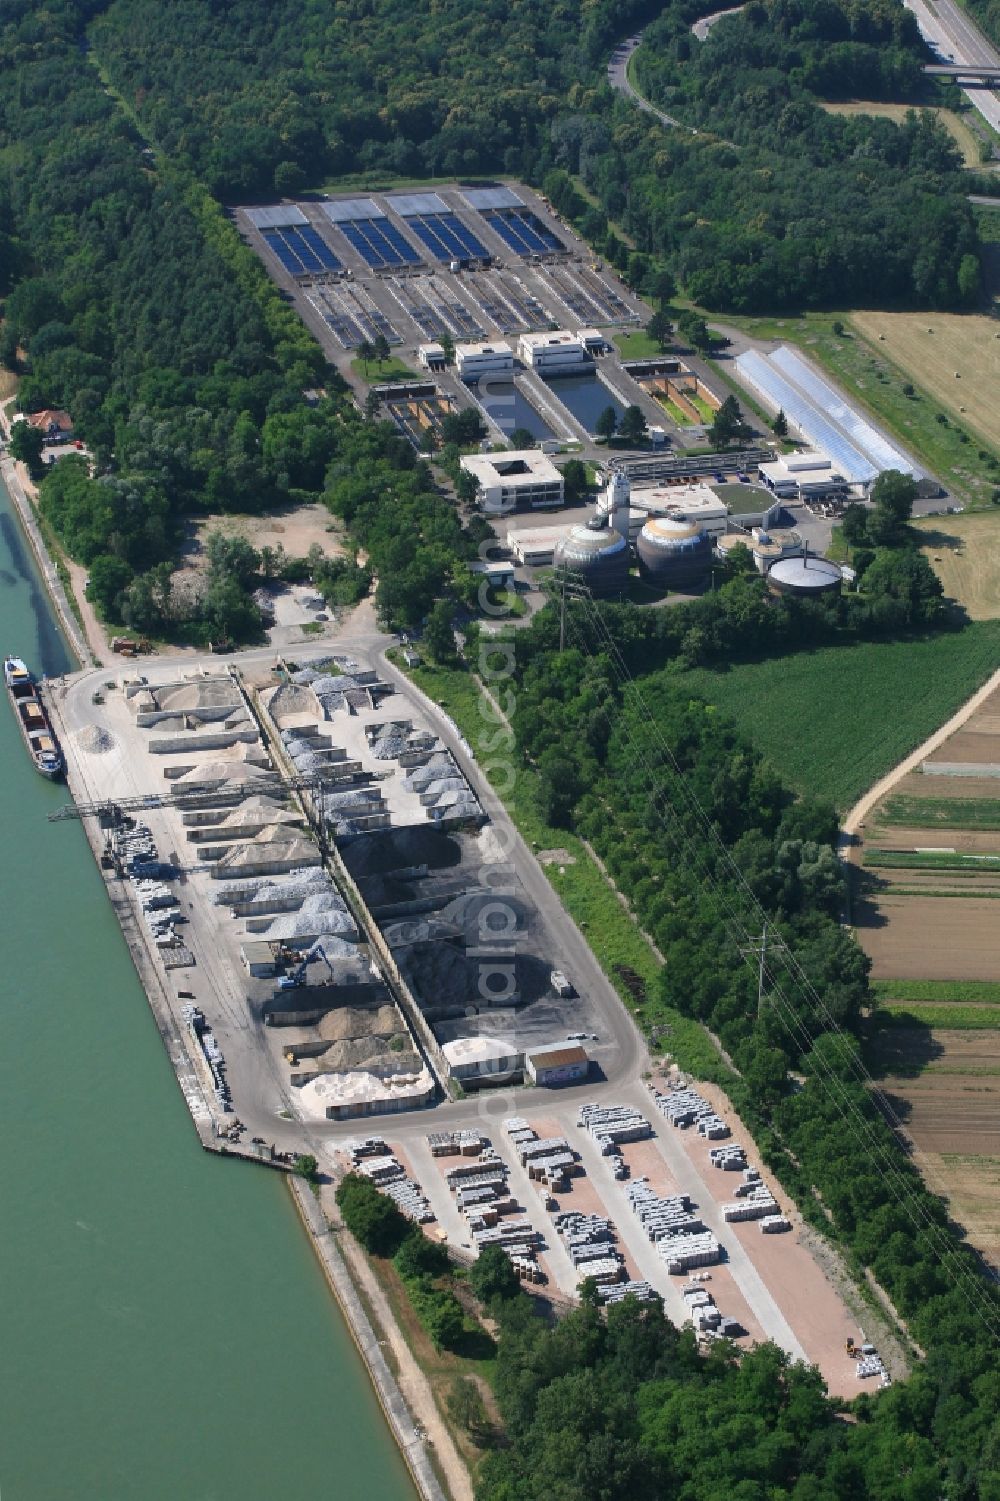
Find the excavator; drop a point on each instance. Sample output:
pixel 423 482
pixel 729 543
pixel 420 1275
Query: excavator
pixel 297 976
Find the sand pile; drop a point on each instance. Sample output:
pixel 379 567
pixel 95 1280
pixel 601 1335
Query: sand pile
pixel 95 740
pixel 359 1021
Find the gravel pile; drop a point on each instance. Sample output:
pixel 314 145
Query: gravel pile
pixel 398 849
pixel 263 889
pixel 95 740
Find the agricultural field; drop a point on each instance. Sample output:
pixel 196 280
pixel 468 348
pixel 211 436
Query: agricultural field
pixel 964 552
pixel 965 139
pixel 954 357
pixel 927 918
pixel 943 1084
pixel 900 397
pixel 820 716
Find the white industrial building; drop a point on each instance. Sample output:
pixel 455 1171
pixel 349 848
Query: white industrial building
pixel 536 547
pixel 695 502
pixel 803 476
pixel 558 350
pixel 474 360
pixel 431 356
pixel 516 479
pixel 475 1061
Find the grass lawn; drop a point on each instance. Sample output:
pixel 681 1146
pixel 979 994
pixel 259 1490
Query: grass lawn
pixel 876 381
pixel 615 939
pixel 637 346
pixel 832 721
pixel 390 369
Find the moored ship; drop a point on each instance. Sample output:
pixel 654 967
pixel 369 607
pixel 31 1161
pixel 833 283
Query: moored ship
pixel 29 711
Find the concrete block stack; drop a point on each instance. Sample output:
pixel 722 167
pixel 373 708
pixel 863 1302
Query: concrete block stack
pixel 680 1237
pixel 482 1195
pixel 685 1107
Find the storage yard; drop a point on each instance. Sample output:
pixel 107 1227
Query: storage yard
pixel 927 916
pixel 658 1197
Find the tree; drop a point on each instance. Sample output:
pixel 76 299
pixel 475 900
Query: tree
pixel 694 329
pixel 419 1257
pixel 366 353
pixel 231 557
pixel 448 347
pixel 464 428
pixel 574 479
pixel 661 286
pixel 779 426
pixel 633 425
pixel 439 636
pixel 522 438
pixel 607 423
pixel 854 525
pixel 895 493
pixel 660 329
pixel 289 179
pixel 371 1217
pixel 493 1277
pixel 969 279
pixel 380 349
pixel 26 446
pixel 108 580
pixel 727 423
pixel 306 1166
pixel 466 1406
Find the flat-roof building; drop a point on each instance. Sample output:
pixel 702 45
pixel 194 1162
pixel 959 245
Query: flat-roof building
pixel 557 350
pixel 803 476
pixel 557 1065
pixel 696 503
pixel 474 360
pixel 535 547
pixel 517 479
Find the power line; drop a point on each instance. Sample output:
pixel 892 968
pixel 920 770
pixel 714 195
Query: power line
pixel 884 1156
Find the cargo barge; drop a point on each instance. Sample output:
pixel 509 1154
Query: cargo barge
pixel 33 722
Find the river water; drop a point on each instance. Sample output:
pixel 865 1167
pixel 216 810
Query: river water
pixel 166 1333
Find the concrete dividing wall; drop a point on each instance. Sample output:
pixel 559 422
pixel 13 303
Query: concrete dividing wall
pixel 195 744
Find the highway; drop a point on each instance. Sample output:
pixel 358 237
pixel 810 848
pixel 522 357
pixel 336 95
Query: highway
pixel 955 38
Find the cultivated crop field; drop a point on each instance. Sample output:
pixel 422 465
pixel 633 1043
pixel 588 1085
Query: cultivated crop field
pixel 928 919
pixel 964 552
pixel 944 1085
pixel 821 716
pixel 954 357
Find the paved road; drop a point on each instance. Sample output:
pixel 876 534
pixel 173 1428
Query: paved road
pixel 619 79
pixel 953 36
pixel 703 27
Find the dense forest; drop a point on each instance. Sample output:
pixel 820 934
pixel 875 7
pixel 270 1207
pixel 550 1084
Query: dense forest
pixel 707 844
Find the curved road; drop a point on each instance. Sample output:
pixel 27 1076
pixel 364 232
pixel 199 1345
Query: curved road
pixel 618 79
pixel 864 805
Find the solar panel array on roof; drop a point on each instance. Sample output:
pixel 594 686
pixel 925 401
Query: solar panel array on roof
pixel 483 198
pixel 277 216
pixel 408 204
pixel 871 442
pixel 768 382
pixel 301 250
pixel 523 231
pixel 346 209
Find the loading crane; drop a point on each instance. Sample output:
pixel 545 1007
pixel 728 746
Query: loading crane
pixel 297 976
pixel 115 811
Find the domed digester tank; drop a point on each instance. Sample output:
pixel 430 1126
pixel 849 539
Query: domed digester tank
pixel 598 553
pixel 673 551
